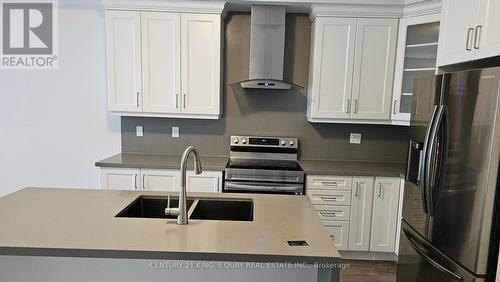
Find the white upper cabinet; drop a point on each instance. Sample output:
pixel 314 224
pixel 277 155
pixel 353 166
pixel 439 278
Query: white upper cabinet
pixel 487 40
pixel 201 51
pixel 331 69
pixel 164 64
pixel 161 68
pixel 374 68
pixel 415 58
pixel 351 71
pixel 469 31
pixel 124 60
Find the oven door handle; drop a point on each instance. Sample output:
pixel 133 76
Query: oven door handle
pixel 254 186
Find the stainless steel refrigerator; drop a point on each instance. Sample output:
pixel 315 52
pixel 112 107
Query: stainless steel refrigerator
pixel 450 226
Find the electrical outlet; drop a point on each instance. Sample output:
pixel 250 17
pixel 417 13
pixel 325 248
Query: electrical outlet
pixel 175 131
pixel 355 138
pixel 139 131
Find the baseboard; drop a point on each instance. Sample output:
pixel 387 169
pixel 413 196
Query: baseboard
pixel 368 255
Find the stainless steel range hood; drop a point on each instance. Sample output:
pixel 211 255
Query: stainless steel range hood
pixel 267 49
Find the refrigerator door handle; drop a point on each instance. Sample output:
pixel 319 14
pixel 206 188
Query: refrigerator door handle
pixel 429 158
pixel 415 245
pixel 424 166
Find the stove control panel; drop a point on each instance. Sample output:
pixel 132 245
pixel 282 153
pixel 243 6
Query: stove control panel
pixel 271 142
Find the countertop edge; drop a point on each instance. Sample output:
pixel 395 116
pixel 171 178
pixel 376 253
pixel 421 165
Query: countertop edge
pixel 162 255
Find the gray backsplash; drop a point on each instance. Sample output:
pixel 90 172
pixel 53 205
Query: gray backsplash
pixel 271 113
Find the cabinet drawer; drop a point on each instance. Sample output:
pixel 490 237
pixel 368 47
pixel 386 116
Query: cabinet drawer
pixel 339 232
pixel 329 182
pixel 327 212
pixel 330 197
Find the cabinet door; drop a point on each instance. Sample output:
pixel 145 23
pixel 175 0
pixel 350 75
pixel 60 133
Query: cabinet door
pixel 339 232
pixel 331 69
pixel 361 213
pixel 201 53
pixel 416 57
pixel 457 31
pixel 160 179
pixel 123 44
pixel 161 68
pixel 487 38
pixel 208 181
pixel 120 178
pixel 374 68
pixel 385 214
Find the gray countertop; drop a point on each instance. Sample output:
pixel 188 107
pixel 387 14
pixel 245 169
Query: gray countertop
pixel 352 168
pixel 218 163
pixel 158 161
pixel 82 223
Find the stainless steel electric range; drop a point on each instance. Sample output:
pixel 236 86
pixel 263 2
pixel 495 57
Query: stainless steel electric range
pixel 264 165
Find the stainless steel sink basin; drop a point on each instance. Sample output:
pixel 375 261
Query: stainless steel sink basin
pixel 199 209
pixel 223 209
pixel 150 207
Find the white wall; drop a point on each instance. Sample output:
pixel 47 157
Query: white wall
pixel 53 123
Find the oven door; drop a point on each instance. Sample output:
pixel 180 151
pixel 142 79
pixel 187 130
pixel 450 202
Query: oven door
pixel 264 187
pixel 263 175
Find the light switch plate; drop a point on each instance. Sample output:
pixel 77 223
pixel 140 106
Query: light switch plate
pixel 139 131
pixel 175 131
pixel 355 138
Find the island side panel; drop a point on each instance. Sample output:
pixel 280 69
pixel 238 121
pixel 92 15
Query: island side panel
pixel 63 269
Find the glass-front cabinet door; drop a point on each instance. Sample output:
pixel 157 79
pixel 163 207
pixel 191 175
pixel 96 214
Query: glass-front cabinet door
pixel 416 57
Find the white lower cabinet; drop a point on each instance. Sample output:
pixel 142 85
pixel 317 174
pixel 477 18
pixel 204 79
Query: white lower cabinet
pixel 207 181
pixel 360 213
pixel 159 180
pixel 339 232
pixel 385 214
pixel 120 178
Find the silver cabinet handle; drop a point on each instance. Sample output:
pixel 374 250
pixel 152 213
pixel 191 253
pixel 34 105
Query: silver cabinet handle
pixel 137 102
pixel 143 182
pixel 329 183
pixel 394 107
pixel 332 237
pixel 348 106
pixel 135 181
pixel 477 36
pixel 469 39
pixel 379 190
pixel 176 101
pixel 355 106
pixel 184 101
pixel 357 190
pixel 328 213
pixel 327 198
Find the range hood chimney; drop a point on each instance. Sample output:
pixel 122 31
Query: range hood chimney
pixel 267 49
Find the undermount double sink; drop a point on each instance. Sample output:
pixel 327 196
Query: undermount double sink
pixel 198 208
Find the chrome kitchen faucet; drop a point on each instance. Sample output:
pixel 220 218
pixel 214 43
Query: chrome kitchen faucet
pixel 181 211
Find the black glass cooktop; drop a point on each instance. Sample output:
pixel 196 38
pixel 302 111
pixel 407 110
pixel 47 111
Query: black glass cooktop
pixel 263 164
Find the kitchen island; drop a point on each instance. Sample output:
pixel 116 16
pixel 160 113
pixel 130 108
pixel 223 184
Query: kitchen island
pixel 55 233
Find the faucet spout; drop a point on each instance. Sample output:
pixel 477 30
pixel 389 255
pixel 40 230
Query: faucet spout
pixel 181 212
